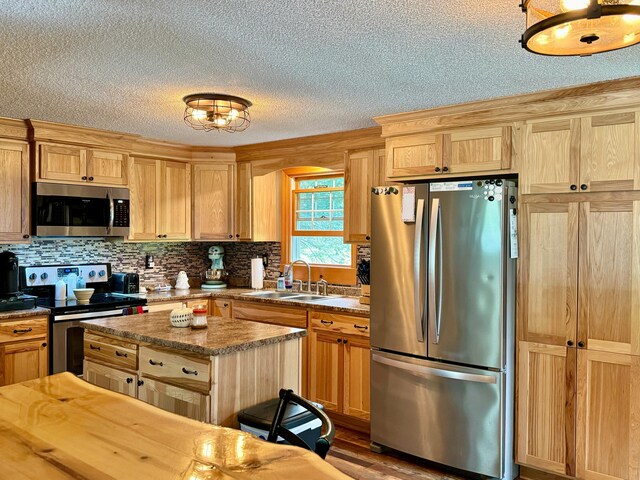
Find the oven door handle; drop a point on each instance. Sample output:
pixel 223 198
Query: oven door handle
pixel 112 212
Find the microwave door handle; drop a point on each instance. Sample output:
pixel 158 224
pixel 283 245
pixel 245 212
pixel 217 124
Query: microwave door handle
pixel 417 273
pixel 434 307
pixel 112 212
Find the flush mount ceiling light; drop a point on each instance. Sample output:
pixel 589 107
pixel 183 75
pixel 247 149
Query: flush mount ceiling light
pixel 214 111
pixel 580 27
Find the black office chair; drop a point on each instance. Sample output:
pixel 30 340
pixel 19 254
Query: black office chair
pixel 323 444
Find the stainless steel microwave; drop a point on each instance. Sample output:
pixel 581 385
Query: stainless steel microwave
pixel 61 210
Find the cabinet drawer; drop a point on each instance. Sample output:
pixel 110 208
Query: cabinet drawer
pixel 175 399
pixel 164 306
pixel 222 308
pixel 184 370
pixel 24 329
pixel 112 351
pixel 288 317
pixel 200 302
pixel 343 324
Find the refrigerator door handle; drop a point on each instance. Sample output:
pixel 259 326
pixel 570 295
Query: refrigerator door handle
pixel 417 269
pixel 435 309
pixel 429 372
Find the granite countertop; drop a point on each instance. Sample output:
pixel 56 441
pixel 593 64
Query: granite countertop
pixel 32 312
pixel 223 335
pixel 331 304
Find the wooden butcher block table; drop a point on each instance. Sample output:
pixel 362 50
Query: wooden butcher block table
pixel 60 427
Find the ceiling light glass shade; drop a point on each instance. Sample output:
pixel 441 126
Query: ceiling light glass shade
pixel 213 111
pixel 580 27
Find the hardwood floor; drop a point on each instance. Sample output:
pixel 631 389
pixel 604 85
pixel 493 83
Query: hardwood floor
pixel 350 454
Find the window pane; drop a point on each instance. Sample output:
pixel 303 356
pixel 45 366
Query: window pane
pixel 322 201
pixel 305 201
pixel 337 200
pixel 340 182
pixel 306 184
pixel 304 225
pixel 325 182
pixel 321 250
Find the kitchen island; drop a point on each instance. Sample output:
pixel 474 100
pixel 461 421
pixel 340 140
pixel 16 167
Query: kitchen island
pixel 208 375
pixel 60 427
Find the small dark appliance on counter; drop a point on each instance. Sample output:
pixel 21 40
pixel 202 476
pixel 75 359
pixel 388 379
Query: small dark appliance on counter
pixel 125 283
pixel 10 297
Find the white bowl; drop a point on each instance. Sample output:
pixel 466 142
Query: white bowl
pixel 83 294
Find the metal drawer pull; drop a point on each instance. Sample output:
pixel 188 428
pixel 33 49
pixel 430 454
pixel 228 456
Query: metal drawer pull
pixel 156 363
pixel 118 354
pixel 93 348
pixel 24 330
pixel 189 372
pixel 326 322
pixel 360 327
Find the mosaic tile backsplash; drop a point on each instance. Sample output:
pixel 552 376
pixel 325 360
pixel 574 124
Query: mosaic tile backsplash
pixel 170 258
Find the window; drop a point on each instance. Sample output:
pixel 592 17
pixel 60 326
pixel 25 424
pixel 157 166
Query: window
pixel 315 231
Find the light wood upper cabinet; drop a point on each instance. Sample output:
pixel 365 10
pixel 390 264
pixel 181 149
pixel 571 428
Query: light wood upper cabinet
pixel 608 435
pixel 359 178
pixel 15 195
pixel 413 155
pixel 160 200
pixel 549 272
pixel 609 272
pixel 70 164
pixel 175 200
pixel 609 153
pixel 266 207
pixel 546 407
pixel 244 204
pixel 551 157
pixel 477 150
pixel 213 186
pixel 107 167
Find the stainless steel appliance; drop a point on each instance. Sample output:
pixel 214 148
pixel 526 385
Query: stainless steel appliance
pixel 65 334
pixel 80 211
pixel 216 276
pixel 125 282
pixel 10 296
pixel 442 322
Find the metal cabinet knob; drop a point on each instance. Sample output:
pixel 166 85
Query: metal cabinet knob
pixel 445 169
pixel 129 379
pixel 437 169
pixel 573 187
pixel 583 186
pixel 570 343
pixel 580 344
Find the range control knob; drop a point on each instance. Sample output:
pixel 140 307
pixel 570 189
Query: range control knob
pixel 44 276
pixel 33 276
pixel 102 273
pixel 92 273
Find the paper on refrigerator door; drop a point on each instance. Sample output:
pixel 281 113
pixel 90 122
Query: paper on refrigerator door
pixel 513 233
pixel 408 204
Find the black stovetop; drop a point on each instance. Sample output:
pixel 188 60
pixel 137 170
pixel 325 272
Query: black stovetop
pixel 98 301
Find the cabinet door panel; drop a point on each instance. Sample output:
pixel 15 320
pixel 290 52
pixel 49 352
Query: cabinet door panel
pixel 222 308
pixel 22 361
pixel 107 167
pixel 145 192
pixel 111 378
pixel 551 156
pixel 609 319
pixel 14 196
pixel 63 163
pixel 546 407
pixel 608 443
pixel 175 201
pixel 609 158
pixel 212 205
pixel 548 290
pixel 359 172
pixel 418 154
pixel 478 150
pixel 244 202
pixel 357 378
pixel 326 375
pixel 175 399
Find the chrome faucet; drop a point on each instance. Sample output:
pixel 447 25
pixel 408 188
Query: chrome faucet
pixel 322 282
pixel 308 274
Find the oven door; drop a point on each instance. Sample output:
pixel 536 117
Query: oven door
pixel 67 347
pixel 79 210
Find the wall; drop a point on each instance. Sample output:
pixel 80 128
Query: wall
pixel 170 258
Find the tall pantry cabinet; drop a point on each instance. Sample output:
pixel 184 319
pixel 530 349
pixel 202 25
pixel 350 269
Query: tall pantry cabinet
pixel 579 299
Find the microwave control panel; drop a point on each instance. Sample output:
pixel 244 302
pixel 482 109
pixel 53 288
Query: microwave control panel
pixel 121 213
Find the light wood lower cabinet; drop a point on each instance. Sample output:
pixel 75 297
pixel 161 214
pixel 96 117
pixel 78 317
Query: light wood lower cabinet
pixel 175 399
pixel 24 350
pixel 222 308
pixel 111 378
pixel 326 378
pixel 578 412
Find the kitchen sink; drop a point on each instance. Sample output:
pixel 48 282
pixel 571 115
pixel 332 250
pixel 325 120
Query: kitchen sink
pixel 297 296
pixel 312 298
pixel 272 294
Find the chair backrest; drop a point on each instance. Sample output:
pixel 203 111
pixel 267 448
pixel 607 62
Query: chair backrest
pixel 323 444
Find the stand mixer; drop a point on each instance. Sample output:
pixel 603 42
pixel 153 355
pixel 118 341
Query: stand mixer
pixel 215 277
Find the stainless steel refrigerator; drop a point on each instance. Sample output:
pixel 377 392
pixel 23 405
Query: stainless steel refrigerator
pixel 442 322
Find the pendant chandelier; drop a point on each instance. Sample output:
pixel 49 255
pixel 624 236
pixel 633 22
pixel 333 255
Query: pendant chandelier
pixel 580 27
pixel 214 111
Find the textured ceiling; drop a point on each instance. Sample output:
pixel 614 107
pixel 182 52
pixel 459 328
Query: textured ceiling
pixel 309 67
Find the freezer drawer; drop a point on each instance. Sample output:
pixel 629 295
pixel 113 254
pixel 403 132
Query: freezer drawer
pixel 443 413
